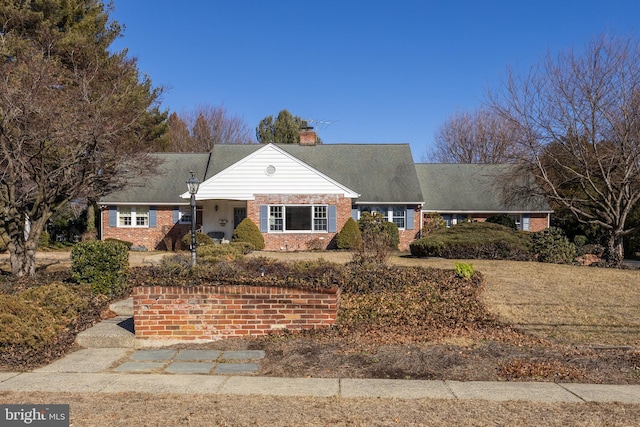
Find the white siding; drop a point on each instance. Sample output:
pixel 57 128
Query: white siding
pixel 249 176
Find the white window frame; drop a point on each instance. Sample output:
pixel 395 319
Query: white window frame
pixel 138 216
pixel 319 218
pixel 396 218
pixel 388 212
pixel 184 212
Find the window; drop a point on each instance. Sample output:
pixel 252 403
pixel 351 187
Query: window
pixel 298 218
pixel 185 215
pixel 275 218
pixel 133 216
pixel 320 218
pixel 518 220
pixel 395 214
pixel 399 216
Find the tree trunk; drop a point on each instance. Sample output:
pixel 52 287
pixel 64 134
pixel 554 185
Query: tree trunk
pixel 615 250
pixel 23 243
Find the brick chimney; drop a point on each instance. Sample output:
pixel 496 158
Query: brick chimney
pixel 308 136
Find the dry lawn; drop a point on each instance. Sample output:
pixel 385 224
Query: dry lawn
pixel 568 304
pixel 139 409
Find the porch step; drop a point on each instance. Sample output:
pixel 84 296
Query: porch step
pixel 123 307
pixel 110 333
pixel 116 332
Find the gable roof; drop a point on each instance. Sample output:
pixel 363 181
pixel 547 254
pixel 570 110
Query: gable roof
pixel 380 173
pixel 470 188
pixel 268 170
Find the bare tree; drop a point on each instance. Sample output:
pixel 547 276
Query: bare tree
pixel 480 136
pixel 199 130
pixel 578 128
pixel 73 118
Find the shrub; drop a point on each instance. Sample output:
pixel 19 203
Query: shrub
pixel 100 264
pixel 45 239
pixel 244 247
pixel 62 301
pixel 464 271
pixel 247 231
pixel 552 246
pixel 214 253
pixel 201 240
pixel 122 242
pixel 474 240
pixel 378 238
pixel 580 240
pixel 434 222
pixel 349 237
pixel 502 220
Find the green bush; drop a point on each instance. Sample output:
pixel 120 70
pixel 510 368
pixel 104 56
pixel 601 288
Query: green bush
pixel 474 240
pixel 349 237
pixel 45 239
pixel 552 246
pixel 502 220
pixel 379 237
pixel 100 264
pixel 247 231
pixel 463 270
pixel 201 240
pixel 224 252
pixel 122 242
pixel 580 240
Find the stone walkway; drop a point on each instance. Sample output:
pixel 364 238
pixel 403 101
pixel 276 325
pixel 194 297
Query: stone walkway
pixel 184 361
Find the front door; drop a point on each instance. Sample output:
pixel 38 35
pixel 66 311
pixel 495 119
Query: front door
pixel 238 215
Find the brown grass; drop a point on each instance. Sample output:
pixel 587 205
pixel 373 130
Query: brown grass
pixel 140 409
pixel 568 304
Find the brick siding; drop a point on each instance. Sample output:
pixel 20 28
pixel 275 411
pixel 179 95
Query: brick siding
pixel 537 221
pixel 300 241
pixel 165 236
pixel 165 315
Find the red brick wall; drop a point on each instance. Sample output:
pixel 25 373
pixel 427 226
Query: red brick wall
pixel 310 241
pixel 299 241
pixel 165 236
pixel 173 314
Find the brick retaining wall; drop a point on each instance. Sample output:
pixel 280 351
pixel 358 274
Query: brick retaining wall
pixel 165 315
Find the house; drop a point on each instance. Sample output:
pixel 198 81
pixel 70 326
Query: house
pixel 460 192
pixel 300 196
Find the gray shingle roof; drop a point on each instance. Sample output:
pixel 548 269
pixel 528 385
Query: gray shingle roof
pixel 380 173
pixel 470 188
pixel 166 186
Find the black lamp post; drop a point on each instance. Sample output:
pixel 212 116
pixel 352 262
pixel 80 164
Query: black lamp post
pixel 192 185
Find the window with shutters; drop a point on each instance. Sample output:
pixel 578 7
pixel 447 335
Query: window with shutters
pixel 133 216
pixel 292 218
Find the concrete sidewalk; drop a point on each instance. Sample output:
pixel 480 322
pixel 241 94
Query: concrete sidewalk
pixel 97 370
pixel 104 382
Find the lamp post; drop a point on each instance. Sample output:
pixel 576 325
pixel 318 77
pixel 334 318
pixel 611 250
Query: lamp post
pixel 192 185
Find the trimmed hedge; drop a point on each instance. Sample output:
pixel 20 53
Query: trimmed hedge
pixel 102 265
pixel 474 240
pixel 349 237
pixel 247 231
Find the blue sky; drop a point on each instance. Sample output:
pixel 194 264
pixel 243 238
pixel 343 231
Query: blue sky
pixel 371 71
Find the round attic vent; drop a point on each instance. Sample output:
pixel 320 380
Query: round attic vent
pixel 270 170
